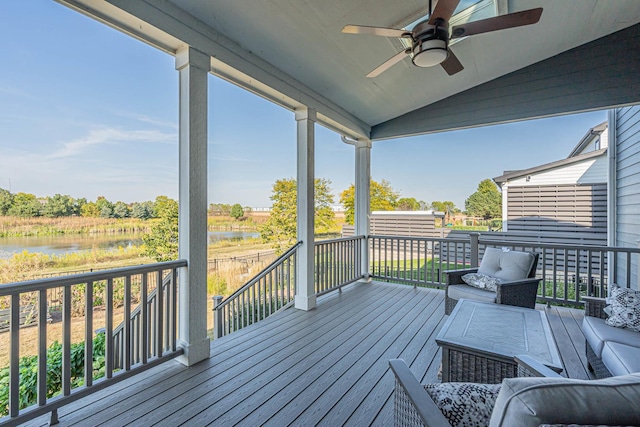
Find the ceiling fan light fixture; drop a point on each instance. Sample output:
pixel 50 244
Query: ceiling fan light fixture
pixel 430 53
pixel 429 45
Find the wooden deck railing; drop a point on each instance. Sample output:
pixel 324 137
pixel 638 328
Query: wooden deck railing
pixel 337 262
pixel 88 366
pixel 568 271
pixel 271 290
pixel 416 260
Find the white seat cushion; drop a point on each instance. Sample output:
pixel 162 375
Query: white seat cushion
pixel 596 331
pixel 469 292
pixel 533 401
pixel 506 265
pixel 621 359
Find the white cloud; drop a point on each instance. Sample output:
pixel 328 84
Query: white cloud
pixel 110 136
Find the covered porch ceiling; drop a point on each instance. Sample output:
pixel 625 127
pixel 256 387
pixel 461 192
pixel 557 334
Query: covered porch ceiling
pixel 582 55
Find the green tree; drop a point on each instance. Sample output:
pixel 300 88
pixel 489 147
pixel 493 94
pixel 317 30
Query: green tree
pixel 220 209
pixel 121 210
pixel 281 227
pixel 6 201
pixel 160 204
pixel 78 204
pixel 90 209
pixel 142 210
pixel 236 211
pixel 25 205
pixel 486 202
pixel 58 205
pixel 162 242
pixel 407 204
pixel 383 198
pixel 105 207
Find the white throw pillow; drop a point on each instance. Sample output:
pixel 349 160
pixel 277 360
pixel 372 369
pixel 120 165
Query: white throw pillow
pixel 481 281
pixel 624 310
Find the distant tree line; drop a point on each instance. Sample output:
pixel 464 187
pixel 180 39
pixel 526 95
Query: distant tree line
pixel 28 205
pixel 221 209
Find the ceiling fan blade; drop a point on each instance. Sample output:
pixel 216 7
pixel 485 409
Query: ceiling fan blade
pixel 388 63
pixel 452 65
pixel 375 31
pixel 443 10
pixel 511 20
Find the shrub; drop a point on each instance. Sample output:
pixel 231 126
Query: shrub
pixel 29 372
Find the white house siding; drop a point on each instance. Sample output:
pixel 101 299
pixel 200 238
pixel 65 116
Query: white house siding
pixel 627 188
pixel 591 171
pixel 597 143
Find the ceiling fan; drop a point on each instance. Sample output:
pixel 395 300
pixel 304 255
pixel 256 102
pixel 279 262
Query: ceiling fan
pixel 430 38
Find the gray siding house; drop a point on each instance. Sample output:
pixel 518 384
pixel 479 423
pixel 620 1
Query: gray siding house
pixel 624 184
pixel 566 198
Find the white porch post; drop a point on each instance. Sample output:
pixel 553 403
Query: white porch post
pixel 362 203
pixel 193 67
pixel 305 293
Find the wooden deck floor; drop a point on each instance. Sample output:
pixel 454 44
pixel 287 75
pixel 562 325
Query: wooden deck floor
pixel 328 366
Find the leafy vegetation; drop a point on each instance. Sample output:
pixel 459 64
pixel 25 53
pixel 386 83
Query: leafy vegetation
pixel 382 198
pixel 281 228
pixel 162 243
pixel 236 211
pixel 29 372
pixel 486 202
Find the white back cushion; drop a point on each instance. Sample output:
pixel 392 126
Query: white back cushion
pixel 506 265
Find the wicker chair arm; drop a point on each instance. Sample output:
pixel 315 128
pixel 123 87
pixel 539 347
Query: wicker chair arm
pixel 454 277
pixel 521 293
pixel 531 367
pixel 594 307
pixel 414 397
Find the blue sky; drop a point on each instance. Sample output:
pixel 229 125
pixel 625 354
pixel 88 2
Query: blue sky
pixel 88 111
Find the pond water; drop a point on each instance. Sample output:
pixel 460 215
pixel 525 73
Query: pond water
pixel 60 244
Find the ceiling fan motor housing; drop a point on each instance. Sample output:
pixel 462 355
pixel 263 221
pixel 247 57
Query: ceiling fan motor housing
pixel 429 44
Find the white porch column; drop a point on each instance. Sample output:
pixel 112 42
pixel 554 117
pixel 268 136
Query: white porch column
pixel 362 203
pixel 305 292
pixel 193 67
pixel 505 206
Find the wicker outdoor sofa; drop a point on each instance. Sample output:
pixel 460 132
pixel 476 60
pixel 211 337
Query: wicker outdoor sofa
pixel 610 350
pixel 547 400
pixel 521 292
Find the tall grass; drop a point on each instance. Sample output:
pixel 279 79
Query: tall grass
pixel 40 226
pixel 27 265
pixel 230 276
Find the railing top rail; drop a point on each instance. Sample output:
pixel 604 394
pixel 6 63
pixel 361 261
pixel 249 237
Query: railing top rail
pixel 341 239
pixel 260 275
pixel 426 239
pixel 559 246
pixel 56 282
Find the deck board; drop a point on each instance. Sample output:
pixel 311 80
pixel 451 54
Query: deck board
pixel 328 366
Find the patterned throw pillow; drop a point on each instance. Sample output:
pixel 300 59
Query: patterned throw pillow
pixel 624 311
pixel 464 404
pixel 481 281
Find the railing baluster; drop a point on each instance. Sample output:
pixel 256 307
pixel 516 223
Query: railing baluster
pixel 66 341
pixel 144 313
pixel 174 309
pixel 127 323
pixel 42 347
pixel 14 357
pixel 159 315
pixel 109 350
pixel 88 334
